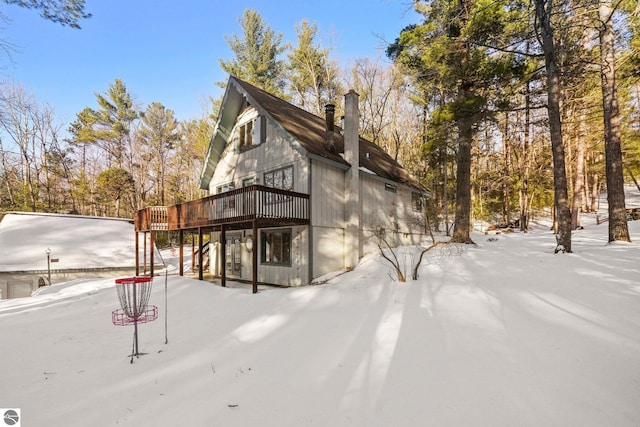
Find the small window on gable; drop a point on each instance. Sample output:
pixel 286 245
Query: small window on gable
pixel 251 133
pixel 417 201
pixel 390 187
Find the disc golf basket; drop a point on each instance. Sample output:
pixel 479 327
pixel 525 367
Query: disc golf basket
pixel 133 293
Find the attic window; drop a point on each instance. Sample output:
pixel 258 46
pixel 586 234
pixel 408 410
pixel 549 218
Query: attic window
pixel 251 133
pixel 245 133
pixel 390 187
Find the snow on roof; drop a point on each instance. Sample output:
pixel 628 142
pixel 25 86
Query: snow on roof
pixel 75 241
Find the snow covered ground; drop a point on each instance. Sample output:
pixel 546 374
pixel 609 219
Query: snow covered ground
pixel 505 333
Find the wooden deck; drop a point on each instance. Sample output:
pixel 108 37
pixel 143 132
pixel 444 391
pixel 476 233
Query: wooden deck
pixel 251 207
pixel 243 207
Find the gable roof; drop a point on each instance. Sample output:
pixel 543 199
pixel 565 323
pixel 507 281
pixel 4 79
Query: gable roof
pixel 307 129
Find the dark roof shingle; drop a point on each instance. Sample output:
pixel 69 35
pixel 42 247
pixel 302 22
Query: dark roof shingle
pixel 310 131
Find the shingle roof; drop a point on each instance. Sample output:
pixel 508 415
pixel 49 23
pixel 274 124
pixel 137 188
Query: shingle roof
pixel 309 131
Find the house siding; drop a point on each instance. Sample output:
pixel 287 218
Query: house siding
pixel 237 165
pixel 327 217
pixel 295 274
pixel 327 191
pixel 391 211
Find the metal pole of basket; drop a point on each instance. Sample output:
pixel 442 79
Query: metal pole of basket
pixel 136 314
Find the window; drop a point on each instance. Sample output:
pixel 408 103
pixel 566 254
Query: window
pixel 227 202
pixel 417 202
pixel 225 187
pixel 276 247
pixel 280 178
pixel 390 187
pixel 251 133
pixel 245 133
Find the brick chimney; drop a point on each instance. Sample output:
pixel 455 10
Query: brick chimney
pixel 352 212
pixel 329 113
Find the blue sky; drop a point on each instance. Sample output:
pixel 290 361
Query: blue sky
pixel 168 51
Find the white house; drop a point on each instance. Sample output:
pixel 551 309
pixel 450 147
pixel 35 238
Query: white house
pixel 293 196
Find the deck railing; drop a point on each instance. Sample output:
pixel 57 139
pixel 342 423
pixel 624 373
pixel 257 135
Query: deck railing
pixel 254 202
pixel 151 218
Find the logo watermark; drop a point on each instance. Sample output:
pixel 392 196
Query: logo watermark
pixel 10 417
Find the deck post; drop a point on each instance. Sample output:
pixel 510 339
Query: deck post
pixel 223 240
pixel 181 243
pixel 152 244
pixel 200 257
pixel 144 254
pixel 255 257
pixel 193 253
pixel 137 255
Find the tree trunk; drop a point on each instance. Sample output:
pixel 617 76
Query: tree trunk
pixel 462 222
pixel 543 15
pixel 595 190
pixel 506 211
pixel 578 183
pixel 618 227
pixel 524 189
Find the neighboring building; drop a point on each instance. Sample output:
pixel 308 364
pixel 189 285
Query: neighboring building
pixel 38 249
pixel 294 197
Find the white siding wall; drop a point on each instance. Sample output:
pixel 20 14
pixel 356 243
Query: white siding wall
pixel 380 209
pixel 295 275
pixel 298 273
pixel 327 218
pixel 328 250
pixel 276 152
pixel 392 211
pixel 327 190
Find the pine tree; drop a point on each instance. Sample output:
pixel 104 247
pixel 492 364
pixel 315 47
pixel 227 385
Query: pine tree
pixel 256 54
pixel 158 135
pixel 313 78
pixel 448 52
pixel 108 127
